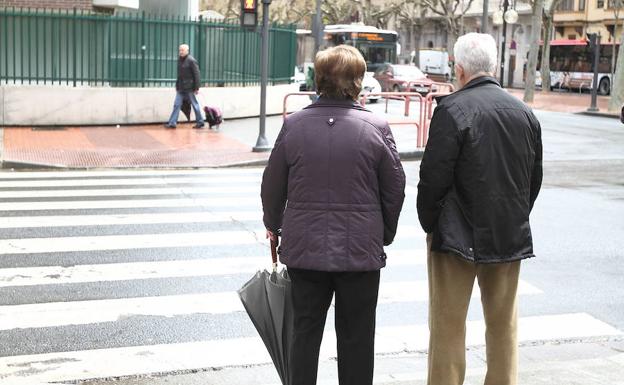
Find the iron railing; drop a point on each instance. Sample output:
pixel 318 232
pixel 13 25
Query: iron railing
pixel 77 48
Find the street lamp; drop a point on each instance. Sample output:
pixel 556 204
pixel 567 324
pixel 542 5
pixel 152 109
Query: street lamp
pixel 262 144
pixel 318 26
pixel 504 17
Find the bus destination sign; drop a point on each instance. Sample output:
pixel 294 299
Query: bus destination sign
pixel 371 36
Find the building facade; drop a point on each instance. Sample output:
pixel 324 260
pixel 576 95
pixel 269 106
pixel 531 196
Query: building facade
pixel 575 18
pixel 434 36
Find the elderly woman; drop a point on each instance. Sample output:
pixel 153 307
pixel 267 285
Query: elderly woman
pixel 334 186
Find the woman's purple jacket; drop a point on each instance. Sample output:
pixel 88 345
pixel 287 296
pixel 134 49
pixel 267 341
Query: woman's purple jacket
pixel 334 185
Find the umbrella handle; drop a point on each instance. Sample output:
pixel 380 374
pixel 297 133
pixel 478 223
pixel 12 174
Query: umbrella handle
pixel 274 253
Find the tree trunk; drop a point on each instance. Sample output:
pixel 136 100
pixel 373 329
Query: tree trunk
pixel 615 24
pixel 536 29
pixel 451 38
pixel 617 88
pixel 415 44
pixel 545 64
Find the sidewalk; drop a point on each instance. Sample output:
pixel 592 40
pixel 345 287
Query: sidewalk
pixel 153 146
pixel 564 101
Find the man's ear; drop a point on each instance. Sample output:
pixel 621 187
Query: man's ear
pixel 459 71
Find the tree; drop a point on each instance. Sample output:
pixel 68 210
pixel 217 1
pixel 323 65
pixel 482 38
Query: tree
pixel 228 8
pixel 374 15
pixel 281 11
pixel 617 6
pixel 536 29
pixel 411 13
pixel 549 13
pixel 339 12
pixel 617 89
pixel 452 12
pixel 291 12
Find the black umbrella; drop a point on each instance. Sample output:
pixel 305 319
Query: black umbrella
pixel 186 108
pixel 266 298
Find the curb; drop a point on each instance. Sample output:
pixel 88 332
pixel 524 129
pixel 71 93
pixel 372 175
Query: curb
pixel 599 114
pixel 17 165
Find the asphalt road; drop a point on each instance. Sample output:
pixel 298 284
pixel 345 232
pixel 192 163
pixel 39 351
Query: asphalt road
pixel 578 229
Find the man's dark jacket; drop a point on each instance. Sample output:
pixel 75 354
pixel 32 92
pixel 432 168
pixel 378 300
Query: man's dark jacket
pixel 188 74
pixel 480 174
pixel 335 186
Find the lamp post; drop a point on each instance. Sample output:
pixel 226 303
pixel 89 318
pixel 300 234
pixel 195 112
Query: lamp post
pixel 262 144
pixel 594 45
pixel 318 26
pixel 484 17
pixel 504 17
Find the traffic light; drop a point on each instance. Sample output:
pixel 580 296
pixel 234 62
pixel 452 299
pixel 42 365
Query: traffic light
pixel 249 13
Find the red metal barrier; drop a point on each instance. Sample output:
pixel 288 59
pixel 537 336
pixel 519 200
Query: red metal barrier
pixel 427 115
pixel 285 110
pixel 425 108
pixel 443 87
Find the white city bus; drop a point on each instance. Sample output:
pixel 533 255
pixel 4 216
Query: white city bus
pixel 378 46
pixel 571 65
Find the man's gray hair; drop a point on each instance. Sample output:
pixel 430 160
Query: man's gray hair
pixel 476 52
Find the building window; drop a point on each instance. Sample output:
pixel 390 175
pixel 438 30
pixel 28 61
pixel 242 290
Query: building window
pixel 611 4
pixel 581 5
pixel 566 5
pixel 559 31
pixel 600 4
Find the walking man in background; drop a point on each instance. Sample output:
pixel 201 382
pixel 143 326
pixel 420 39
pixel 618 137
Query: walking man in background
pixel 187 86
pixel 479 177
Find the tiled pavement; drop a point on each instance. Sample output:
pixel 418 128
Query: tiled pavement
pixel 149 146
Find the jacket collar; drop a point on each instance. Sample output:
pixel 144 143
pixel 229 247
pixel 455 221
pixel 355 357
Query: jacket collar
pixel 480 81
pixel 343 103
pixel 476 82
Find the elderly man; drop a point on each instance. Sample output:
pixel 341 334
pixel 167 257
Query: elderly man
pixel 479 177
pixel 187 86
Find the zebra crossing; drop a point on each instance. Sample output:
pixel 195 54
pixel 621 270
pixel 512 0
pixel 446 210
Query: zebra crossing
pixel 121 273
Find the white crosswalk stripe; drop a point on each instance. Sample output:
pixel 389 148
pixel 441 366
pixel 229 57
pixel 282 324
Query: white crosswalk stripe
pixel 93 291
pixel 127 219
pixel 130 204
pixel 50 275
pixel 199 179
pixel 54 314
pixel 218 190
pixel 119 242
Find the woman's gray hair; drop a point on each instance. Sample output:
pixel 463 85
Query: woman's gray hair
pixel 476 52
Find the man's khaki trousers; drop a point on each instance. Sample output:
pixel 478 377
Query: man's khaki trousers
pixel 451 280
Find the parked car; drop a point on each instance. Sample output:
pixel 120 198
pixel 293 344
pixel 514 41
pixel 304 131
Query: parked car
pixel 396 77
pixel 371 85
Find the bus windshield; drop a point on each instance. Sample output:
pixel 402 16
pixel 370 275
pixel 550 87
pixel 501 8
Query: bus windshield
pixel 377 46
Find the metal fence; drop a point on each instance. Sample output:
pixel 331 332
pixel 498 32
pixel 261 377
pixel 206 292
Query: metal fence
pixel 77 48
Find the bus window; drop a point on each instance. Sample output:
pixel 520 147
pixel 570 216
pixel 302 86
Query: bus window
pixel 376 54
